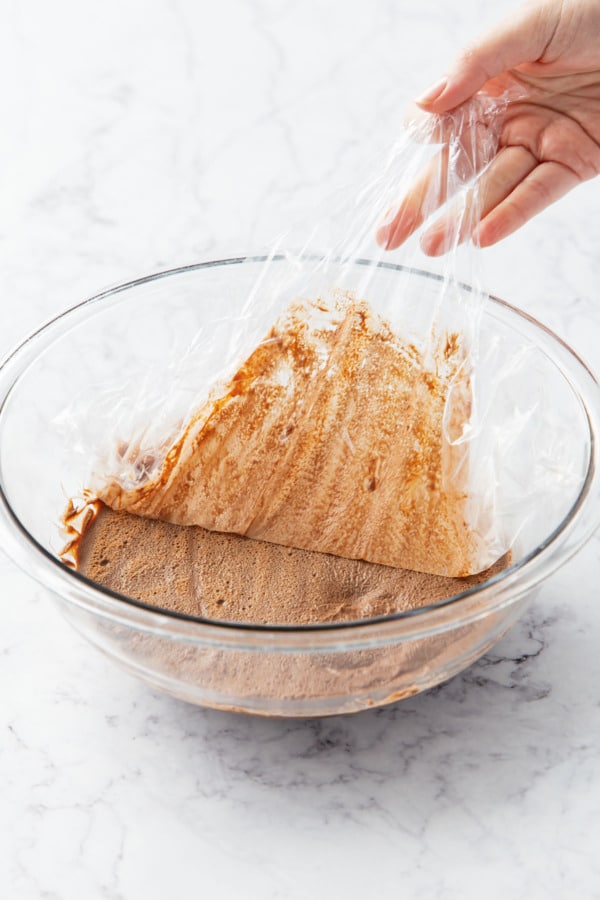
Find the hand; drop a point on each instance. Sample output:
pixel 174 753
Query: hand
pixel 549 140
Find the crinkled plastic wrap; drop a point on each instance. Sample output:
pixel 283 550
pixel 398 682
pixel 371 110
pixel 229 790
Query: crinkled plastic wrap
pixel 332 408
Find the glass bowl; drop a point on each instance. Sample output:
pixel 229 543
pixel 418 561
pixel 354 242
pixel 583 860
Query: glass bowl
pixel 132 335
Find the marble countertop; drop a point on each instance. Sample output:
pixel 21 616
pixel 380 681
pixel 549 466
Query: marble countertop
pixel 140 136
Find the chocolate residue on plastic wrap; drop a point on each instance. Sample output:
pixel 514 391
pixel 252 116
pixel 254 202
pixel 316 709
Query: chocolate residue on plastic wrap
pixel 329 438
pixel 77 520
pixel 190 570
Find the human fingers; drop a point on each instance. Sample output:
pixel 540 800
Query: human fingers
pixel 544 184
pixel 521 38
pixel 547 183
pixel 427 193
pixel 509 168
pixel 457 163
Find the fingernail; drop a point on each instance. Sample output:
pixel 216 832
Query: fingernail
pixel 432 93
pixel 382 236
pixel 388 219
pixel 434 243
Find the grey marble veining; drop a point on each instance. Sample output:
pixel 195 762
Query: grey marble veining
pixel 142 136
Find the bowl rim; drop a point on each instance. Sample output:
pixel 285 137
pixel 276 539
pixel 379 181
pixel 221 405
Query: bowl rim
pixel 504 580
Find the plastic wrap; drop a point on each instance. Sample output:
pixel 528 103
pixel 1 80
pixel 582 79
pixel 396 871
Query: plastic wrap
pixel 324 335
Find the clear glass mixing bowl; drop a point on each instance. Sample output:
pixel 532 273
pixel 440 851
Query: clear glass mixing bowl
pixel 132 334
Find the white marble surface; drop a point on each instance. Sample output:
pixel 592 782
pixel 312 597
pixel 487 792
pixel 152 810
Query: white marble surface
pixel 137 136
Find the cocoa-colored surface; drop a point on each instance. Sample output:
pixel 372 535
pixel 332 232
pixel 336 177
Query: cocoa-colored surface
pixel 224 576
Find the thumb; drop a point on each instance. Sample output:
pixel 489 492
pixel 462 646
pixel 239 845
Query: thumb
pixel 521 38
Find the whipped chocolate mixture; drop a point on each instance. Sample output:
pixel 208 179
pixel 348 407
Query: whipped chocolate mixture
pixel 224 576
pixel 313 488
pixel 329 438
